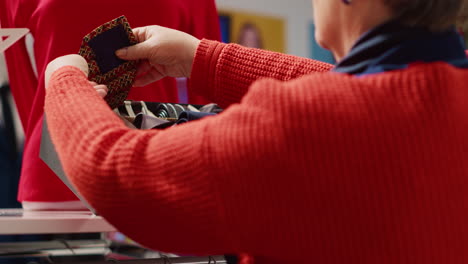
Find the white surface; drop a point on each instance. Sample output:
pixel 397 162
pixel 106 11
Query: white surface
pixel 297 15
pixel 30 48
pixel 56 206
pixel 3 69
pixel 13 35
pixel 51 222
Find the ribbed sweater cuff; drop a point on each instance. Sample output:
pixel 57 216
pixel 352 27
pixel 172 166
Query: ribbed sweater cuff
pixel 63 72
pixel 203 77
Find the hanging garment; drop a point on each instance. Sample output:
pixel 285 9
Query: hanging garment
pixel 58 28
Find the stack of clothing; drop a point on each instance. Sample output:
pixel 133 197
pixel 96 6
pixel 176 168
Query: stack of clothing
pixel 151 115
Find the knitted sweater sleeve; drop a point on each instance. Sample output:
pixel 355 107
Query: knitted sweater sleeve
pixel 223 72
pixel 163 188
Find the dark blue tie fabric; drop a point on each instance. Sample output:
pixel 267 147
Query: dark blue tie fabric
pixel 106 44
pixel 188 116
pixel 162 120
pixel 393 46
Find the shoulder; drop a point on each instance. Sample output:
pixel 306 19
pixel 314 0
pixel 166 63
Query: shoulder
pixel 332 83
pixel 389 93
pixel 308 89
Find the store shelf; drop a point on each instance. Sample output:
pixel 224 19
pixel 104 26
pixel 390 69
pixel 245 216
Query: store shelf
pixel 17 221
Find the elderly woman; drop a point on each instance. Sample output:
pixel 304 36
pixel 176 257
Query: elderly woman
pixel 364 162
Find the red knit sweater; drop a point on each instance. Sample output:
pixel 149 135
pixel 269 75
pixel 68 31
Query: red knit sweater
pixel 303 167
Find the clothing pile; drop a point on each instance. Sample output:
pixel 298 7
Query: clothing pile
pixel 151 115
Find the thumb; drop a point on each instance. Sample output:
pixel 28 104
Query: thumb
pixel 135 52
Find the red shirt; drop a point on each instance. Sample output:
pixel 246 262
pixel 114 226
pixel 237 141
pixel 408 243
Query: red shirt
pixel 303 166
pixel 58 28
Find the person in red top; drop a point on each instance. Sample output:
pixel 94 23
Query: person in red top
pixel 58 28
pixel 362 162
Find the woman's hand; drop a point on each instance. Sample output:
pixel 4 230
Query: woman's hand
pixel 164 53
pixel 101 89
pixel 76 61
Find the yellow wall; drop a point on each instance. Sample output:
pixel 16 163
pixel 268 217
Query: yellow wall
pixel 272 29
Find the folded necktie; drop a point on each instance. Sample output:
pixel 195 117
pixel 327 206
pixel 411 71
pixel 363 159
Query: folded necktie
pixel 98 48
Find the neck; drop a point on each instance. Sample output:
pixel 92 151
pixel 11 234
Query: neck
pixel 361 17
pixel 392 46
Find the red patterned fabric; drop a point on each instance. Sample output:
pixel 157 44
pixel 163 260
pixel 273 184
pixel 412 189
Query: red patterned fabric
pixel 58 28
pixel 118 79
pixel 300 167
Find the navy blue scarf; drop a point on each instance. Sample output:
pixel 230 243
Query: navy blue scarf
pixel 393 46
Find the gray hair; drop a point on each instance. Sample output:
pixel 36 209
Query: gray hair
pixel 435 15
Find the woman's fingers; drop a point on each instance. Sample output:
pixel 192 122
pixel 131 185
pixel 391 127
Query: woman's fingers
pixel 100 86
pixel 102 92
pixel 101 89
pixel 143 68
pixel 139 33
pixel 151 76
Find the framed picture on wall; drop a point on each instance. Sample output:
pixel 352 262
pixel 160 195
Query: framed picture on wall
pixel 225 25
pixel 253 30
